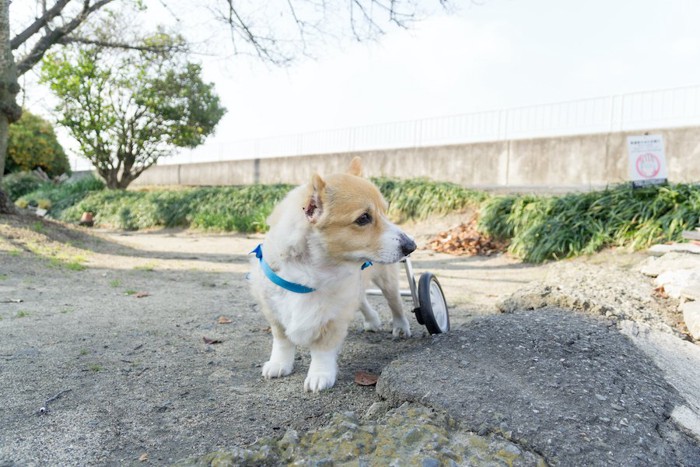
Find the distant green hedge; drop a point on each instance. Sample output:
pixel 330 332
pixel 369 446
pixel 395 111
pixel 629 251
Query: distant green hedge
pixel 242 209
pixel 539 228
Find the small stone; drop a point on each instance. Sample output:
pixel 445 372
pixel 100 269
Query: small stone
pixel 601 397
pixel 691 316
pixel 617 407
pixel 376 410
pixel 349 425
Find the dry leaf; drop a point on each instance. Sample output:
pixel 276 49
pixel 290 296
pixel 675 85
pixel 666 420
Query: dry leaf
pixel 466 240
pixel 141 294
pixel 364 378
pixel 661 292
pixel 212 341
pixel 143 457
pixel 224 320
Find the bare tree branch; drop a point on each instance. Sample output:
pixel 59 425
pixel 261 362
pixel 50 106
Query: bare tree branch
pixel 39 23
pixel 54 36
pixel 122 45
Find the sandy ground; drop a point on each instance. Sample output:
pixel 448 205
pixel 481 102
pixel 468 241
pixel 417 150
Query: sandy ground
pixel 113 323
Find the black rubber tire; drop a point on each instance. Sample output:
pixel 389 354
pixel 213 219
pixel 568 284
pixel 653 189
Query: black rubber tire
pixel 427 309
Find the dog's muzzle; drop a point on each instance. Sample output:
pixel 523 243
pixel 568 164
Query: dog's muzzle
pixel 407 245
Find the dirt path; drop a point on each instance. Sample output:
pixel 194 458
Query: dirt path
pixel 113 323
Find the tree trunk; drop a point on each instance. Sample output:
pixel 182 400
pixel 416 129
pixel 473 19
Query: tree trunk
pixel 9 110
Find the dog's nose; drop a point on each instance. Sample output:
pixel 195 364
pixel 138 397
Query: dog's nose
pixel 408 246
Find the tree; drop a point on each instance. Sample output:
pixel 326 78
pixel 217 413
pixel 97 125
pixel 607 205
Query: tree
pixel 33 144
pixel 130 109
pixel 304 20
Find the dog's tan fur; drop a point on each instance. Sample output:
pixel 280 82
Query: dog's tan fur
pixel 320 235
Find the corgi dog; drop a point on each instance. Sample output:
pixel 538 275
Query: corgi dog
pixel 308 274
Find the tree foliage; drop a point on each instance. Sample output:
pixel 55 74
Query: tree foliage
pixel 33 144
pixel 129 109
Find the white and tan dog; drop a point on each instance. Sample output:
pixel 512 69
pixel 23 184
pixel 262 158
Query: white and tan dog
pixel 307 275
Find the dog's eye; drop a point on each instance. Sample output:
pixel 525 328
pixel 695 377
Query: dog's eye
pixel 364 219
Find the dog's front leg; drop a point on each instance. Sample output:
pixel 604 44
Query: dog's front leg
pixel 281 360
pixel 324 355
pixel 323 369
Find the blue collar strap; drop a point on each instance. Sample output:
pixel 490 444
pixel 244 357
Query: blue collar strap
pixel 285 284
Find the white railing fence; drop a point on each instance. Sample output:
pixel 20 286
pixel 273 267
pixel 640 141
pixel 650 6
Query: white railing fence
pixel 626 112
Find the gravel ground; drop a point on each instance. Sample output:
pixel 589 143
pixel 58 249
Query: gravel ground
pixel 113 324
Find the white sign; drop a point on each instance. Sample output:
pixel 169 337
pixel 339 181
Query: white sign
pixel 647 159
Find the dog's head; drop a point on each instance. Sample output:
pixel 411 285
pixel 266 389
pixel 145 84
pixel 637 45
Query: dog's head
pixel 348 213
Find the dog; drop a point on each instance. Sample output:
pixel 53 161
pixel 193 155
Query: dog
pixel 308 274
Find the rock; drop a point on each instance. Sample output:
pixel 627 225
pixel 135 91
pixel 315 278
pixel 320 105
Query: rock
pixel 691 316
pixel 677 247
pixel 687 419
pixel 597 290
pixel 676 280
pixel 532 378
pixel 657 265
pixel 411 434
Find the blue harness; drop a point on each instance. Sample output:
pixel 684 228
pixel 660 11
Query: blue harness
pixel 285 284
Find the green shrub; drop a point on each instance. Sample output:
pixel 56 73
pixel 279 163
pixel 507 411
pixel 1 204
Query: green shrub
pixel 18 184
pixel 541 227
pixel 32 144
pixel 63 195
pixel 242 209
pixel 420 198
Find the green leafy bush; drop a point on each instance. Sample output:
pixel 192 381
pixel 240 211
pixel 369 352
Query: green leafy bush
pixel 63 195
pixel 539 228
pixel 33 144
pixel 545 227
pixel 419 198
pixel 18 184
pixel 242 209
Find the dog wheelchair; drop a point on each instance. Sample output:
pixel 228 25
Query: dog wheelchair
pixel 429 302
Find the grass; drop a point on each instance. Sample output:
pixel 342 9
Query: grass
pixel 539 228
pixel 62 196
pixel 148 267
pixel 420 198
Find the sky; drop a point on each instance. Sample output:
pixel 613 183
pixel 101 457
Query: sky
pixel 491 54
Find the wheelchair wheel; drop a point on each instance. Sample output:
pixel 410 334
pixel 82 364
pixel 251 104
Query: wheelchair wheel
pixel 432 311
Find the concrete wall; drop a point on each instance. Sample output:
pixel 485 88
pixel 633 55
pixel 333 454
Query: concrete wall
pixel 553 164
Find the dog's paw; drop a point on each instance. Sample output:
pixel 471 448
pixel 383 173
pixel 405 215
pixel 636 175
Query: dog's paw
pixel 373 325
pixel 275 369
pixel 316 382
pixel 401 327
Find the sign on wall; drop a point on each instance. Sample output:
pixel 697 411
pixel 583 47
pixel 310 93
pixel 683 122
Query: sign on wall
pixel 647 160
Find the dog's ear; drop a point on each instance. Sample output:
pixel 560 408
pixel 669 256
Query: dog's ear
pixel 355 166
pixel 314 205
